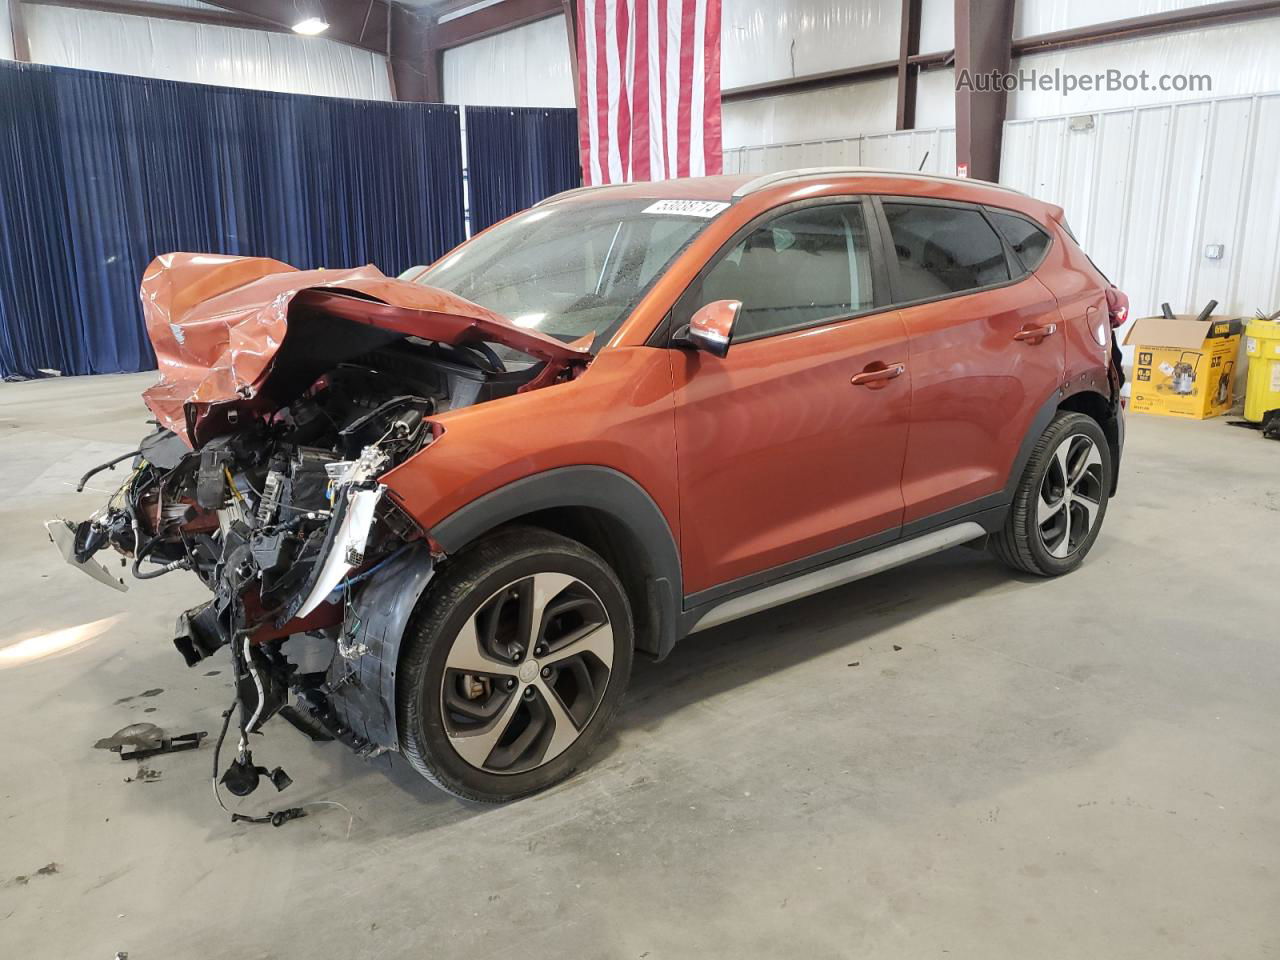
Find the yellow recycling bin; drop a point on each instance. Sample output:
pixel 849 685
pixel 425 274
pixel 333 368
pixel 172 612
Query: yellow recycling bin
pixel 1262 390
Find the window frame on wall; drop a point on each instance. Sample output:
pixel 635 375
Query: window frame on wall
pixel 686 306
pixel 1017 272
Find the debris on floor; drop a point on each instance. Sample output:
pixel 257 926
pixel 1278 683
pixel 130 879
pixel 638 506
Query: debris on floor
pixel 148 741
pixel 47 870
pixel 154 692
pixel 144 775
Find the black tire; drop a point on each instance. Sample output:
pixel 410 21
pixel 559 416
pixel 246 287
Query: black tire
pixel 1022 544
pixel 466 583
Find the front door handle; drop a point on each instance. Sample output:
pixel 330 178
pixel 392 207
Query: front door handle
pixel 878 373
pixel 1036 334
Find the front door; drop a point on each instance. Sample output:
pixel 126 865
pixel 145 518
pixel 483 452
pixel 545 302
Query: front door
pixel 792 445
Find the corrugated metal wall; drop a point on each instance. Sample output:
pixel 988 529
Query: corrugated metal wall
pixel 901 150
pixel 1147 189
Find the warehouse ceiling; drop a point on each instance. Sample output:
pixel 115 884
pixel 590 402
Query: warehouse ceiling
pixel 439 8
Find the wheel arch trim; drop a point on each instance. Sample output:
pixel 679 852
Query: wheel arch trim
pixel 1112 425
pixel 603 490
pixel 1040 423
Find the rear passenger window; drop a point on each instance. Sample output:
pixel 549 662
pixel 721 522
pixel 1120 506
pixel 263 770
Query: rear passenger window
pixel 943 250
pixel 1029 242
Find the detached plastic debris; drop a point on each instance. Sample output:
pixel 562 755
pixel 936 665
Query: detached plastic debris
pixel 148 741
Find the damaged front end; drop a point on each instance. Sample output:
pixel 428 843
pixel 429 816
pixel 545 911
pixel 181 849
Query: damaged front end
pixel 284 397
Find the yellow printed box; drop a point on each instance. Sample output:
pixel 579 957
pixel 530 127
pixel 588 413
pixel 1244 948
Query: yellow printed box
pixel 1183 367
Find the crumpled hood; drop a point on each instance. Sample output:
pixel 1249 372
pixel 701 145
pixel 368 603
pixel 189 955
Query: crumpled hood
pixel 217 322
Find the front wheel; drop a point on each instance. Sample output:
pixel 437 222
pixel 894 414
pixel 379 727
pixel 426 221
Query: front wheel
pixel 514 666
pixel 1060 501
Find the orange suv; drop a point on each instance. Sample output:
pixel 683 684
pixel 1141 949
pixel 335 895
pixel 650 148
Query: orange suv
pixel 439 514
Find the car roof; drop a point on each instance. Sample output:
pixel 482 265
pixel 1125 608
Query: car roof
pixel 732 187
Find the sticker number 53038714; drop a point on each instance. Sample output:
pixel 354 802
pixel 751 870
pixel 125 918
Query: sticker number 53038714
pixel 687 208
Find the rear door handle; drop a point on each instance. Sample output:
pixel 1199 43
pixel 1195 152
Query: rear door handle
pixel 877 373
pixel 1036 334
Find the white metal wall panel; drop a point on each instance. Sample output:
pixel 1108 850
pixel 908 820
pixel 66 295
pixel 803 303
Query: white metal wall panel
pixel 6 34
pixel 1146 213
pixel 841 111
pixel 771 158
pixel 1228 159
pixel 203 53
pixel 1102 171
pixel 1171 281
pixel 1240 59
pixel 1258 246
pixel 937 25
pixel 528 66
pixel 763 40
pixel 927 151
pixel 936 98
pixel 1146 190
pixel 1031 17
pixel 900 150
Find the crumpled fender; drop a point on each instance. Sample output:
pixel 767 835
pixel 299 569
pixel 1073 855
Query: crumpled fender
pixel 219 323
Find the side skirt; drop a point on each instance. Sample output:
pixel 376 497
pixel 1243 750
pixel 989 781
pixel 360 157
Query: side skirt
pixel 834 575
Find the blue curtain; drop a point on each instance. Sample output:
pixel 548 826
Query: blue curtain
pixel 516 156
pixel 100 172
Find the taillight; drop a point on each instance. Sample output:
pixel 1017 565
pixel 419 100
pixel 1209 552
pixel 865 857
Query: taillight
pixel 1117 306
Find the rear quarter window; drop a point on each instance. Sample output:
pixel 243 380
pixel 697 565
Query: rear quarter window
pixel 1029 241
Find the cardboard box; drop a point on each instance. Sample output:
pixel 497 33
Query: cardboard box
pixel 1183 367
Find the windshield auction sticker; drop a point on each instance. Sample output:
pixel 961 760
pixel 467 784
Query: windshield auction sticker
pixel 687 208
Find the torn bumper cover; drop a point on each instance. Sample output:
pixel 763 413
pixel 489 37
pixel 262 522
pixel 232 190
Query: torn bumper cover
pixel 284 396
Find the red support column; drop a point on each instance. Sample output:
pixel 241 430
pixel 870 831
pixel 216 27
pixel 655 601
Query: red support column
pixel 908 73
pixel 984 43
pixel 571 28
pixel 18 28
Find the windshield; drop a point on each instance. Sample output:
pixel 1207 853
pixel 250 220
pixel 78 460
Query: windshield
pixel 570 270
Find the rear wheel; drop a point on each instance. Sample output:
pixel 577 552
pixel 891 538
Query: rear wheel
pixel 1060 501
pixel 514 667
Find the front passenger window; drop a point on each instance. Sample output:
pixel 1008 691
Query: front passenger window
pixel 803 267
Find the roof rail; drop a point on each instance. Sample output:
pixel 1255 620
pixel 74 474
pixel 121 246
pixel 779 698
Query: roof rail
pixel 575 191
pixel 809 173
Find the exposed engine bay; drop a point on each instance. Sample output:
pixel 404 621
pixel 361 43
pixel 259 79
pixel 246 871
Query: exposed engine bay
pixel 269 491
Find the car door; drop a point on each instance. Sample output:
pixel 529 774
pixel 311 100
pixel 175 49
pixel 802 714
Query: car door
pixel 986 353
pixel 791 446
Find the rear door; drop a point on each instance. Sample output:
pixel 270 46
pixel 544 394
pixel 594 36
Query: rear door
pixel 780 455
pixel 986 353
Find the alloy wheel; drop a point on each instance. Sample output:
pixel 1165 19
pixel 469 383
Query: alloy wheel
pixel 1070 496
pixel 526 673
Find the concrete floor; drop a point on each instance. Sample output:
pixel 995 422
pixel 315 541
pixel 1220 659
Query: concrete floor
pixel 1075 768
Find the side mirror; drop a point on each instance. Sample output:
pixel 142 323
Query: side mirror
pixel 711 328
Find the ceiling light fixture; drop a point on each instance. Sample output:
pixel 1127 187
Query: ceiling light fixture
pixel 310 26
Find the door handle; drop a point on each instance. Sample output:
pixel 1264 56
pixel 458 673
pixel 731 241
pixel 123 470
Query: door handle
pixel 1036 334
pixel 878 373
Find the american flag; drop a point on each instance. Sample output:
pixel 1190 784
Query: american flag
pixel 648 89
